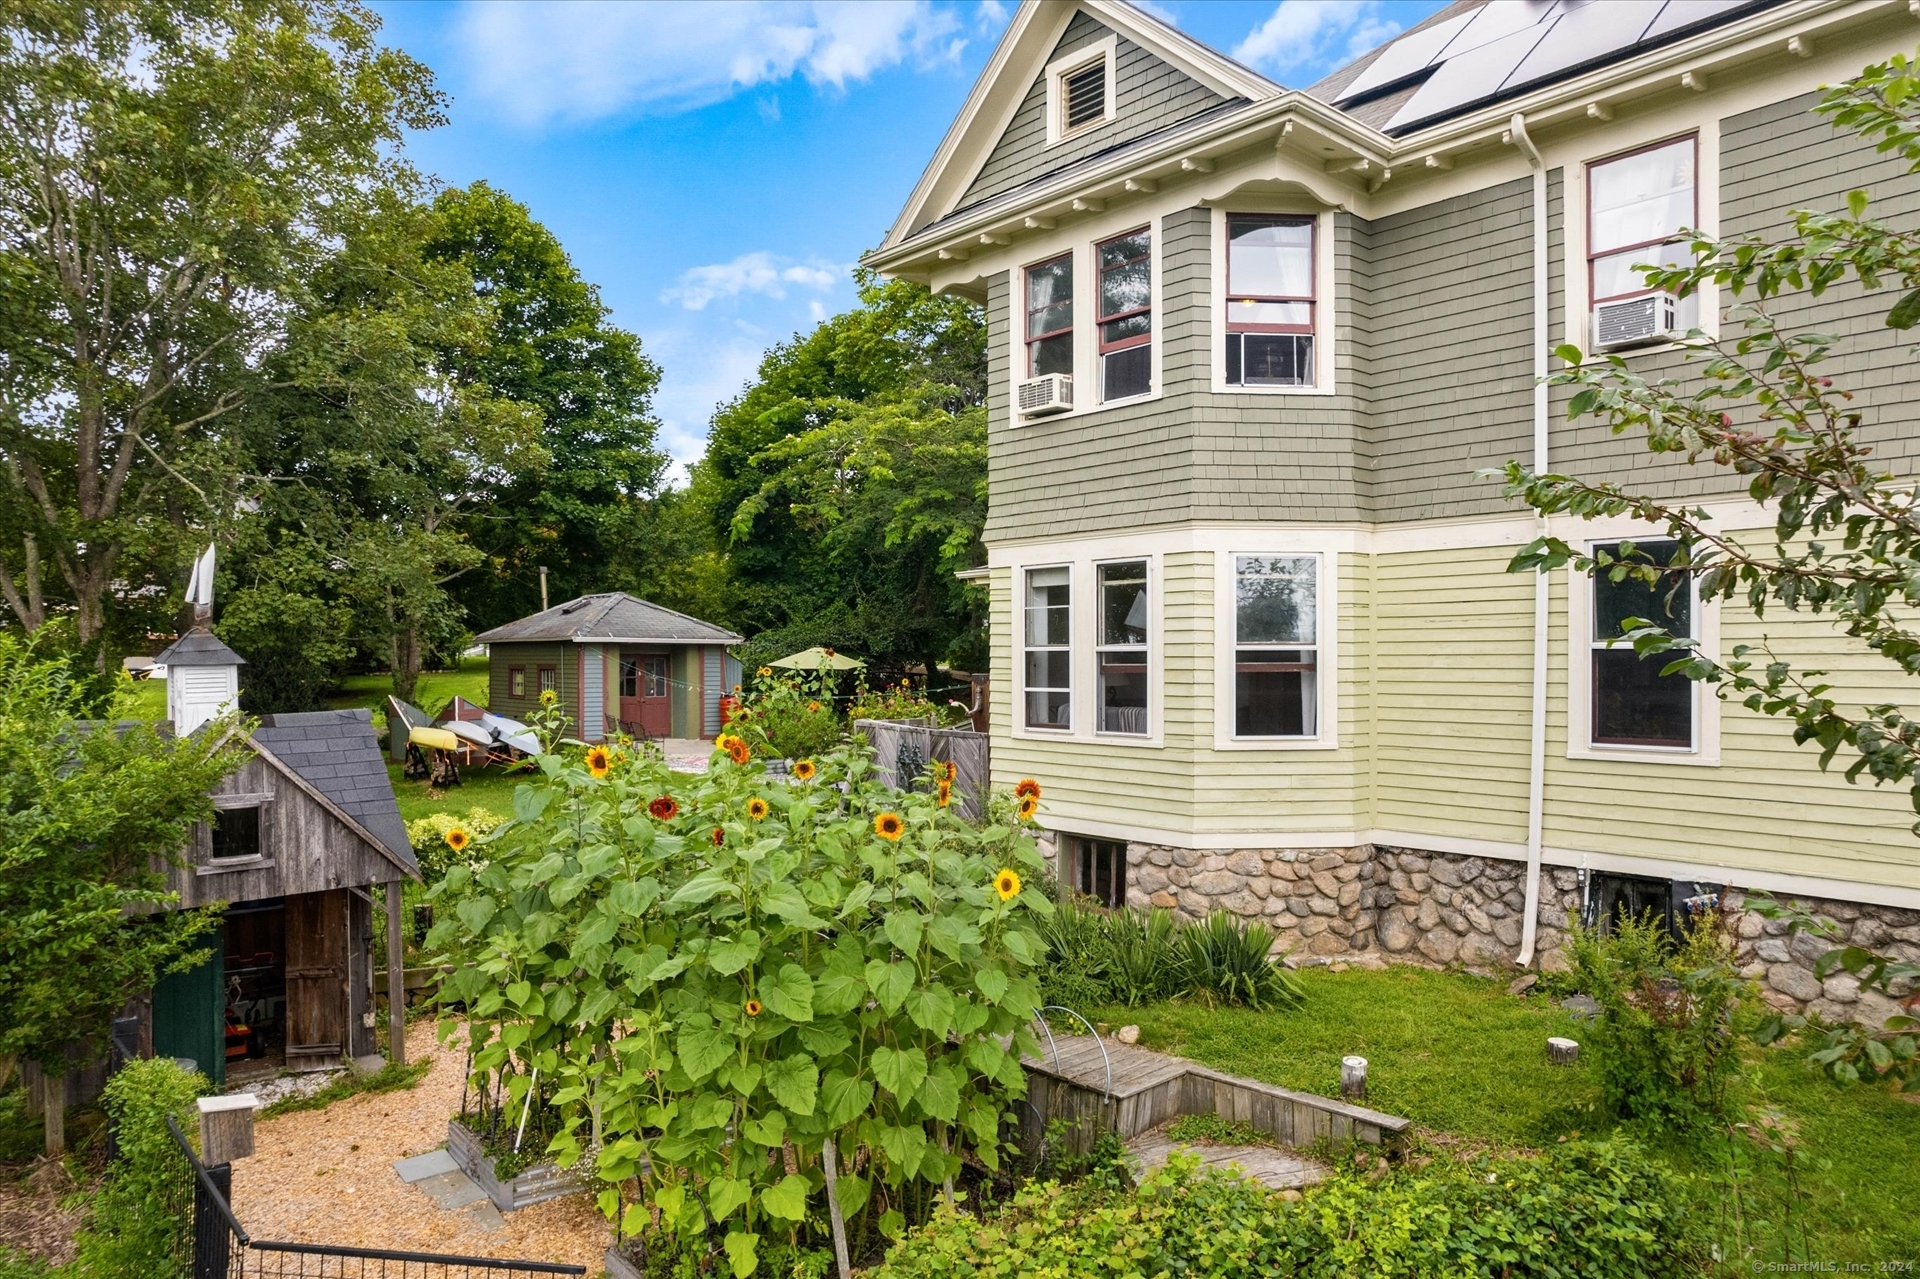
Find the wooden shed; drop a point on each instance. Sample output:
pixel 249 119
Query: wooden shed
pixel 305 830
pixel 618 664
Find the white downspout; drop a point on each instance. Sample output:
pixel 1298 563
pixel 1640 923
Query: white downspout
pixel 1537 747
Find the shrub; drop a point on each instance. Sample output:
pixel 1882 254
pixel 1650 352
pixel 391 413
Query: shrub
pixel 1144 961
pixel 1597 1209
pixel 428 835
pixel 722 973
pixel 1133 957
pixel 904 701
pixel 791 714
pixel 141 1225
pixel 1664 1047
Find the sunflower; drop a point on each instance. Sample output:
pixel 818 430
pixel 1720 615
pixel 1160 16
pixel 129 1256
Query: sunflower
pixel 666 808
pixel 888 826
pixel 719 836
pixel 599 760
pixel 548 697
pixel 1028 806
pixel 944 792
pixel 952 771
pixel 804 769
pixel 764 672
pixel 756 808
pixel 457 838
pixel 735 748
pixel 753 1008
pixel 1025 787
pixel 1007 883
pixel 813 708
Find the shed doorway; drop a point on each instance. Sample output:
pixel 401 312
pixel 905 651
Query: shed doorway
pixel 318 941
pixel 646 710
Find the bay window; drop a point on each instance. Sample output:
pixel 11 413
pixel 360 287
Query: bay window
pixel 1050 317
pixel 1270 300
pixel 1048 634
pixel 1121 653
pixel 1276 630
pixel 1633 703
pixel 1126 316
pixel 1636 205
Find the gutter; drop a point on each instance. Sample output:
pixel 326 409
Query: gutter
pixel 1537 745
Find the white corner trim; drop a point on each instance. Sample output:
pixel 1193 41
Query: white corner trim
pixel 1060 68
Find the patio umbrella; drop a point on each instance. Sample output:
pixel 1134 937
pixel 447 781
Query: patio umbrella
pixel 818 659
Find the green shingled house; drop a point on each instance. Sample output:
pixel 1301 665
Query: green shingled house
pixel 1252 627
pixel 617 664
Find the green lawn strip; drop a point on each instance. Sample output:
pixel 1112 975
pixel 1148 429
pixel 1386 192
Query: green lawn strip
pixel 389 1078
pixel 433 691
pixel 1448 1051
pixel 488 788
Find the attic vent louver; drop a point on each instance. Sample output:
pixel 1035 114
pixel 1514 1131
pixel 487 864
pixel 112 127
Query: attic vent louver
pixel 1086 95
pixel 574 607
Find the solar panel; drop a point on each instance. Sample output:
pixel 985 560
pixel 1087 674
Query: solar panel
pixel 1498 19
pixel 1471 77
pixel 1584 35
pixel 1405 56
pixel 1681 14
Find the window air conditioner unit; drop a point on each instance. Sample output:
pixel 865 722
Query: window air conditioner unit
pixel 1652 317
pixel 1048 393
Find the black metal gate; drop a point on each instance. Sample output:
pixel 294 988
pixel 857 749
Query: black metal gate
pixel 222 1249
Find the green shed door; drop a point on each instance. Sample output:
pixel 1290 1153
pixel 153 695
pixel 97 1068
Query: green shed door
pixel 190 1015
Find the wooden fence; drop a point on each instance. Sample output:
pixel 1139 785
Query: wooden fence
pixel 902 749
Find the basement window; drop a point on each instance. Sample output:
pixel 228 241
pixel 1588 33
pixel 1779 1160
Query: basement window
pixel 1098 869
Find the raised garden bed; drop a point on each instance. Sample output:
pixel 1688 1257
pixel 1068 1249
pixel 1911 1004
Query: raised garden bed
pixel 541 1182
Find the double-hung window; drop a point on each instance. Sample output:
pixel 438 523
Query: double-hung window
pixel 1050 317
pixel 1049 647
pixel 549 679
pixel 1276 632
pixel 1121 687
pixel 1636 205
pixel 1633 703
pixel 1270 300
pixel 1126 315
pixel 516 681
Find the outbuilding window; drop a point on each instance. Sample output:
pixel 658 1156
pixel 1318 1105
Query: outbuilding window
pixel 236 834
pixel 516 681
pixel 549 680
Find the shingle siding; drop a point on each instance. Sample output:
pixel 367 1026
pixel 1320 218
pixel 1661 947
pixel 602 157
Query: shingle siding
pixel 1148 94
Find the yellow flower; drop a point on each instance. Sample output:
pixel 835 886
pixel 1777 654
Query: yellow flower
pixel 945 792
pixel 813 708
pixel 457 838
pixel 1025 787
pixel 1007 884
pixel 764 672
pixel 756 808
pixel 888 826
pixel 753 1008
pixel 804 769
pixel 735 748
pixel 1029 805
pixel 548 697
pixel 599 761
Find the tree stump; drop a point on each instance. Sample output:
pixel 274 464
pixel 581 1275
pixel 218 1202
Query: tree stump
pixel 1353 1078
pixel 1562 1052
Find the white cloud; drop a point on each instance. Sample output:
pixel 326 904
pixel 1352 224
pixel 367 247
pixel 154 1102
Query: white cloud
pixel 1314 36
pixel 569 59
pixel 698 375
pixel 758 272
pixel 1159 11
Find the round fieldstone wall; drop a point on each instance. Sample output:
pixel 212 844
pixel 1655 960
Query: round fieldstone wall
pixel 1783 963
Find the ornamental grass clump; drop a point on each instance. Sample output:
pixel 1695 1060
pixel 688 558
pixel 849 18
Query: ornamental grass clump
pixel 715 977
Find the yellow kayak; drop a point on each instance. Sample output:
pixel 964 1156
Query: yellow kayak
pixel 437 738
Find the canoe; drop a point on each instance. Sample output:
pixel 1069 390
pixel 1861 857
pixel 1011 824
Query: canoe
pixel 438 739
pixel 472 734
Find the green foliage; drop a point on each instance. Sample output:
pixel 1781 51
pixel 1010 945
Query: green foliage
pixel 141 1225
pixel 1216 1130
pixel 720 973
pixel 1851 1053
pixel 87 813
pixel 392 1077
pixel 1133 957
pixel 904 700
pixel 849 482
pixel 1665 1046
pixel 428 836
pixel 791 712
pixel 1585 1208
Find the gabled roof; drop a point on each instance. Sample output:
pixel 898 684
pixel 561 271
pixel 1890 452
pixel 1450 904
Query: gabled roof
pixel 613 616
pixel 335 758
pixel 198 647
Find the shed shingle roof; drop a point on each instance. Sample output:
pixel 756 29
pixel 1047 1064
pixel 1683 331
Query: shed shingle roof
pixel 336 753
pixel 613 615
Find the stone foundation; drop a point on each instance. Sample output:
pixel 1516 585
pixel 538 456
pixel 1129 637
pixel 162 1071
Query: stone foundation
pixel 1441 909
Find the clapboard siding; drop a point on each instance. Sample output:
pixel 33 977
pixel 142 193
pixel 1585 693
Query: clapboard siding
pixel 1148 94
pixel 531 656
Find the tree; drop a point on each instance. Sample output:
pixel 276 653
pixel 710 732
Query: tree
pixel 588 513
pixel 167 168
pixel 88 811
pixel 849 482
pixel 1846 535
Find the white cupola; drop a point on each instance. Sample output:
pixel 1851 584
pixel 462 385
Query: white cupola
pixel 203 675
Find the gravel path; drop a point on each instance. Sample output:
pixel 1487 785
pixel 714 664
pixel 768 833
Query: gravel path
pixel 326 1176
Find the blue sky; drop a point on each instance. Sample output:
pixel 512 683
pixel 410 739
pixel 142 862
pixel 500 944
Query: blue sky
pixel 716 168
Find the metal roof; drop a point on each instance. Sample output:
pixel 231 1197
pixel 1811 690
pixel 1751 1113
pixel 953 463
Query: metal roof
pixel 613 616
pixel 198 647
pixel 336 753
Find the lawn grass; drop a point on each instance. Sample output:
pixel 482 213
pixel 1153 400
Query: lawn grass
pixel 433 691
pixel 1467 1062
pixel 488 788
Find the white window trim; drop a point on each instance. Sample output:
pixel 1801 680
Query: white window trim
pixel 1057 72
pixel 1706 707
pixel 1325 301
pixel 1086 336
pixel 1577 323
pixel 1327 633
pixel 1083 579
